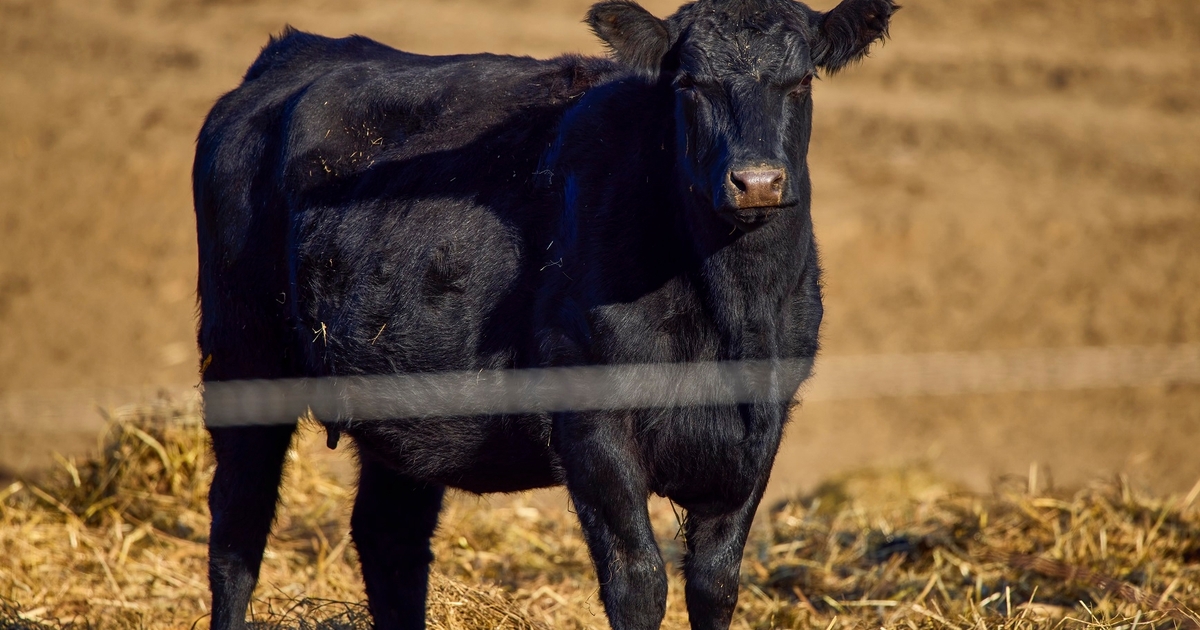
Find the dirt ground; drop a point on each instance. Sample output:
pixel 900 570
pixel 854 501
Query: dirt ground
pixel 1002 174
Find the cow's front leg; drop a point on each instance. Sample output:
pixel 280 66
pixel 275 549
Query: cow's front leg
pixel 716 535
pixel 713 561
pixel 609 489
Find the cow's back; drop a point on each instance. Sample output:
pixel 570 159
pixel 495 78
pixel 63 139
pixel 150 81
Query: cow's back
pixel 323 183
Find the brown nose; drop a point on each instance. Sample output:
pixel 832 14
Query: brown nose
pixel 757 187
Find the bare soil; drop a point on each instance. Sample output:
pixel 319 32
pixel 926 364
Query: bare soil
pixel 1002 174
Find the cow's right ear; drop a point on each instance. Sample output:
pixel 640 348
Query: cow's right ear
pixel 634 36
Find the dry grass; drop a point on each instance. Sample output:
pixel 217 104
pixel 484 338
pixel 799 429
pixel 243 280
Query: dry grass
pixel 117 540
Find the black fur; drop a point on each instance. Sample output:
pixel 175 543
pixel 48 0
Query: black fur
pixel 361 210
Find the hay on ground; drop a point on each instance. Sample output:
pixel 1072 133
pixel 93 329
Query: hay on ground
pixel 117 540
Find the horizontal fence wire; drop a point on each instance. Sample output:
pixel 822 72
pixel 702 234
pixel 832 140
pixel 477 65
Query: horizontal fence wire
pixel 492 392
pixel 956 373
pixel 495 392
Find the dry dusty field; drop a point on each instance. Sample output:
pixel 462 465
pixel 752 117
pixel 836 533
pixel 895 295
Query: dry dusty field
pixel 1002 174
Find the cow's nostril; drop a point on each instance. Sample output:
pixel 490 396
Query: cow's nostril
pixel 759 187
pixel 738 182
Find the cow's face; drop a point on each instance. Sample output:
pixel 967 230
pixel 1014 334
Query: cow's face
pixel 742 72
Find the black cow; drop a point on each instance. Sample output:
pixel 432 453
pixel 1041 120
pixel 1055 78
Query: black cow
pixel 363 211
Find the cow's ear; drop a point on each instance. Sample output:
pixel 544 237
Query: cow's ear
pixel 845 34
pixel 634 36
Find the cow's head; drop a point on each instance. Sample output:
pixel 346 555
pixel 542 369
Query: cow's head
pixel 742 74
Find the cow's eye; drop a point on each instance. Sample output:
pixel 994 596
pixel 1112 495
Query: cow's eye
pixel 803 87
pixel 684 82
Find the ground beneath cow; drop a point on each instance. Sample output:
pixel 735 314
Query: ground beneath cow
pixel 999 175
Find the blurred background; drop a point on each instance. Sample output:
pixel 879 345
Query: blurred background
pixel 1001 175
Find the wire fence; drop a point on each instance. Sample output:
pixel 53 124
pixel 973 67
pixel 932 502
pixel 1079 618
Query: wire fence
pixel 956 373
pixel 490 392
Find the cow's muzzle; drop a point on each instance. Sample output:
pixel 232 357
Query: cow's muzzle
pixel 759 187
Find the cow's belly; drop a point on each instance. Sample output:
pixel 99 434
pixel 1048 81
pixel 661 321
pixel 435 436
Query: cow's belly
pixel 478 454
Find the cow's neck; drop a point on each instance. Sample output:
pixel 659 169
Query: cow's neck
pixel 746 279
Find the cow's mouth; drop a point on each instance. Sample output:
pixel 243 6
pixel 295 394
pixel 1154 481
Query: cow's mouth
pixel 750 219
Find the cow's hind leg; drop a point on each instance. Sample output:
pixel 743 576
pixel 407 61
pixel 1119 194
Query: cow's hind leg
pixel 242 501
pixel 393 520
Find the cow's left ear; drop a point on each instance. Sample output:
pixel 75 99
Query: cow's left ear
pixel 845 33
pixel 634 36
